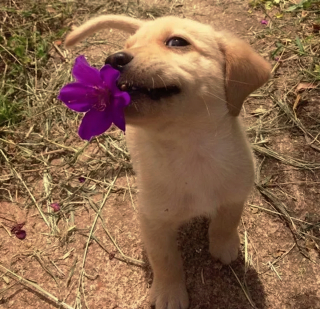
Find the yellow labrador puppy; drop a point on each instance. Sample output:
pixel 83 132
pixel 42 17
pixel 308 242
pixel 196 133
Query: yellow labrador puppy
pixel 187 83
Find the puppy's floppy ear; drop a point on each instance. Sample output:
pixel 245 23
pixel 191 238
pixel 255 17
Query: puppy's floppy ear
pixel 93 25
pixel 245 70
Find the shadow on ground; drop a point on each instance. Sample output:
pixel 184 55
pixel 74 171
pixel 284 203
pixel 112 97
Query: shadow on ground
pixel 210 284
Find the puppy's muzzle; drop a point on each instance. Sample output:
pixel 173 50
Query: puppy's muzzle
pixel 119 60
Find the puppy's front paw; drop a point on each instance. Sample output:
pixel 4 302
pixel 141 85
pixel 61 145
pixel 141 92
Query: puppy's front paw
pixel 225 249
pixel 169 296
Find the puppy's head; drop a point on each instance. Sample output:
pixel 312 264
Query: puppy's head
pixel 176 67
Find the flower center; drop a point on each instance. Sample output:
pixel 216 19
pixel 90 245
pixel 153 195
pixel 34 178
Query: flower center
pixel 104 99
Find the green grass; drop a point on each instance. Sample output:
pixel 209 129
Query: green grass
pixel 26 38
pixel 289 6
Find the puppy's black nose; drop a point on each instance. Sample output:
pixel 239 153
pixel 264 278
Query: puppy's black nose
pixel 119 60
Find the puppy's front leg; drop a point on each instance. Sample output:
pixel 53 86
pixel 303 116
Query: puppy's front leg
pixel 168 289
pixel 223 233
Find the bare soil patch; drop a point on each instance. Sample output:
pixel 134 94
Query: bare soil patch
pixel 89 254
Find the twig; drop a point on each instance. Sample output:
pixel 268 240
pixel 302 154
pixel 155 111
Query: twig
pixel 130 193
pixel 294 119
pixel 26 282
pixel 125 257
pixel 11 54
pixel 291 183
pixel 90 234
pixel 72 271
pixel 278 259
pixel 47 270
pixel 24 184
pixel 276 203
pixel 279 214
pixel 59 51
pixel 274 269
pixel 285 159
pixel 243 289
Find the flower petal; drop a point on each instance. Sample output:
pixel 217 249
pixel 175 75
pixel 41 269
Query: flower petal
pixel 78 97
pixel 118 105
pixel 121 99
pixel 55 206
pixel 109 75
pixel 95 123
pixel 86 74
pixel 118 119
pixel 21 234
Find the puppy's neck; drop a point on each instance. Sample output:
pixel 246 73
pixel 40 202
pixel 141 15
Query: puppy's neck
pixel 192 128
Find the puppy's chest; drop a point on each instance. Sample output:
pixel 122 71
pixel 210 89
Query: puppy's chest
pixel 184 172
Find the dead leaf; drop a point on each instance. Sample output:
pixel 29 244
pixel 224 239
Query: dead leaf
pixel 58 42
pixel 6 279
pixel 285 41
pixel 51 10
pixel 259 111
pixel 278 253
pixel 310 244
pixel 296 102
pixel 316 28
pixel 304 86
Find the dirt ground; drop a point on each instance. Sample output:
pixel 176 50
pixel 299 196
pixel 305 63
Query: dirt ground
pixel 278 266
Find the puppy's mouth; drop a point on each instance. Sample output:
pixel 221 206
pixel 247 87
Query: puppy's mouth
pixel 153 93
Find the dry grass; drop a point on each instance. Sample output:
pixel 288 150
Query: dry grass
pixel 42 157
pixel 38 135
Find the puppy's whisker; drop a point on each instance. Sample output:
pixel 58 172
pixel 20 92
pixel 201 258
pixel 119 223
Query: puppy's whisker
pixel 179 83
pixel 205 103
pixel 162 81
pixel 232 80
pixel 238 82
pixel 230 104
pixel 215 96
pixel 152 82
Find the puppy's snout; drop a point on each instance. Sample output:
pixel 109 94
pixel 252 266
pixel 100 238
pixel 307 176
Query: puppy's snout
pixel 119 60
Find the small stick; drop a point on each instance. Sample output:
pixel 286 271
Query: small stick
pixel 37 287
pixel 243 289
pixel 278 259
pixel 11 54
pixel 274 269
pixel 279 214
pixel 130 193
pixel 24 184
pixel 89 238
pixel 125 257
pixel 59 51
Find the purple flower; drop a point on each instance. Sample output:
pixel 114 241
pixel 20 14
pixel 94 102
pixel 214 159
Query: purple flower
pixel 96 94
pixel 264 22
pixel 82 179
pixel 55 206
pixel 17 230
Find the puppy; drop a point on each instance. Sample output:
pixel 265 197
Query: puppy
pixel 187 84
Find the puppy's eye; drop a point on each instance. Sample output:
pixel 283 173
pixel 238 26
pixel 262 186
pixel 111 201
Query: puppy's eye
pixel 177 42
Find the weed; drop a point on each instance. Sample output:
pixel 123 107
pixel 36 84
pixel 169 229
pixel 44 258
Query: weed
pixel 26 35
